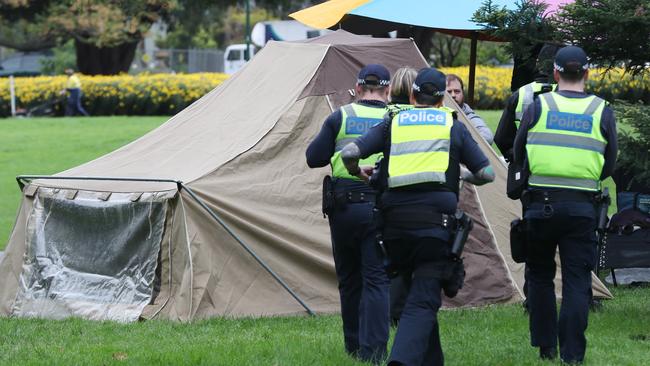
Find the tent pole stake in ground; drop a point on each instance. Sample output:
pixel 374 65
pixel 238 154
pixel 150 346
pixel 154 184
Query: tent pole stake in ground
pixel 180 185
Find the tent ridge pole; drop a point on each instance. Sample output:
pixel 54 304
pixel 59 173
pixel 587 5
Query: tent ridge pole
pixel 247 248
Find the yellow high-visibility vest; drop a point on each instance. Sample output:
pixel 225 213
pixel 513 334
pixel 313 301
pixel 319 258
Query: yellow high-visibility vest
pixel 526 98
pixel 566 147
pixel 356 119
pixel 419 150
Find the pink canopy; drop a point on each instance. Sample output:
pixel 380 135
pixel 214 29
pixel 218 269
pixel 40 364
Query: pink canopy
pixel 554 5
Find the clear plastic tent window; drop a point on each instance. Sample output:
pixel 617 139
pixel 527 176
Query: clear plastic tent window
pixel 93 256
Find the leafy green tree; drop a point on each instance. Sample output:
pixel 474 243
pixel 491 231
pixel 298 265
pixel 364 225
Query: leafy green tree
pixel 455 51
pixel 105 33
pixel 445 49
pixel 199 23
pixel 23 25
pixel 63 58
pixel 612 32
pixel 634 144
pixel 616 33
pixel 525 27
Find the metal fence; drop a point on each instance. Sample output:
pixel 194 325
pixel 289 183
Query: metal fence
pixel 190 60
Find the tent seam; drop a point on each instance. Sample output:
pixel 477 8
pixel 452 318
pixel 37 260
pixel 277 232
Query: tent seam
pixel 189 251
pixel 169 255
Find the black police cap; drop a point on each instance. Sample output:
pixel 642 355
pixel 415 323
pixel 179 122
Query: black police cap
pixel 374 74
pixel 571 60
pixel 430 81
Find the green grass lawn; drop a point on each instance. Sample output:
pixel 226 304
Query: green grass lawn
pixel 46 146
pixel 619 334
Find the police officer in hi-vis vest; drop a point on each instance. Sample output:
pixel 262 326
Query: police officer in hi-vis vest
pixel 363 283
pixel 423 148
pixel 518 102
pixel 522 98
pixel 569 140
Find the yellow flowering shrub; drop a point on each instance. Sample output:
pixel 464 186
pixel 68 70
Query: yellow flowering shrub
pixel 617 84
pixel 167 94
pixel 492 86
pixel 143 94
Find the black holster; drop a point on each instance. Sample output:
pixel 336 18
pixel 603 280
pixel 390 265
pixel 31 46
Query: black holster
pixel 463 225
pixel 328 195
pixel 379 179
pixel 603 201
pixel 519 240
pixel 378 221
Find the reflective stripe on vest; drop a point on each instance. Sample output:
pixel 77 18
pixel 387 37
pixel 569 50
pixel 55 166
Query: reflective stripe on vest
pixel 566 147
pixel 396 108
pixel 526 98
pixel 356 119
pixel 420 143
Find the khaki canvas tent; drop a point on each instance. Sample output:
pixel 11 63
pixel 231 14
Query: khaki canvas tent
pixel 215 213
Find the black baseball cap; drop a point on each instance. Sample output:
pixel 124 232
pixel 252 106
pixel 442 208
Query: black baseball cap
pixel 374 74
pixel 430 81
pixel 571 60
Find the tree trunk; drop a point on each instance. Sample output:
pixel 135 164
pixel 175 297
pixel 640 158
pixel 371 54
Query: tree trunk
pixel 93 60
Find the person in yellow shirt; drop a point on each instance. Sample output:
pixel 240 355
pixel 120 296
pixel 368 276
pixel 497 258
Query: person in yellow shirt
pixel 73 88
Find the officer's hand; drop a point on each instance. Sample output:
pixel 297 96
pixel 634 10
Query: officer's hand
pixel 465 174
pixel 365 172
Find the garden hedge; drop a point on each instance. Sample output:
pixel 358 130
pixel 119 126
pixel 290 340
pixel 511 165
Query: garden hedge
pixel 167 94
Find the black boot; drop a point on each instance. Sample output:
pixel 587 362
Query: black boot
pixel 547 353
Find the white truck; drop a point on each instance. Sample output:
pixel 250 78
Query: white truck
pixel 277 30
pixel 234 57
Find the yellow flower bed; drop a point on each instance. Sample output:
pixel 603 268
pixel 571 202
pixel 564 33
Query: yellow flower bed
pixel 618 84
pixel 492 86
pixel 166 94
pixel 144 94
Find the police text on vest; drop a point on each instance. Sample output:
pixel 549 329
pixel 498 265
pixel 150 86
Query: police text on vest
pixel 360 125
pixel 416 117
pixel 569 122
